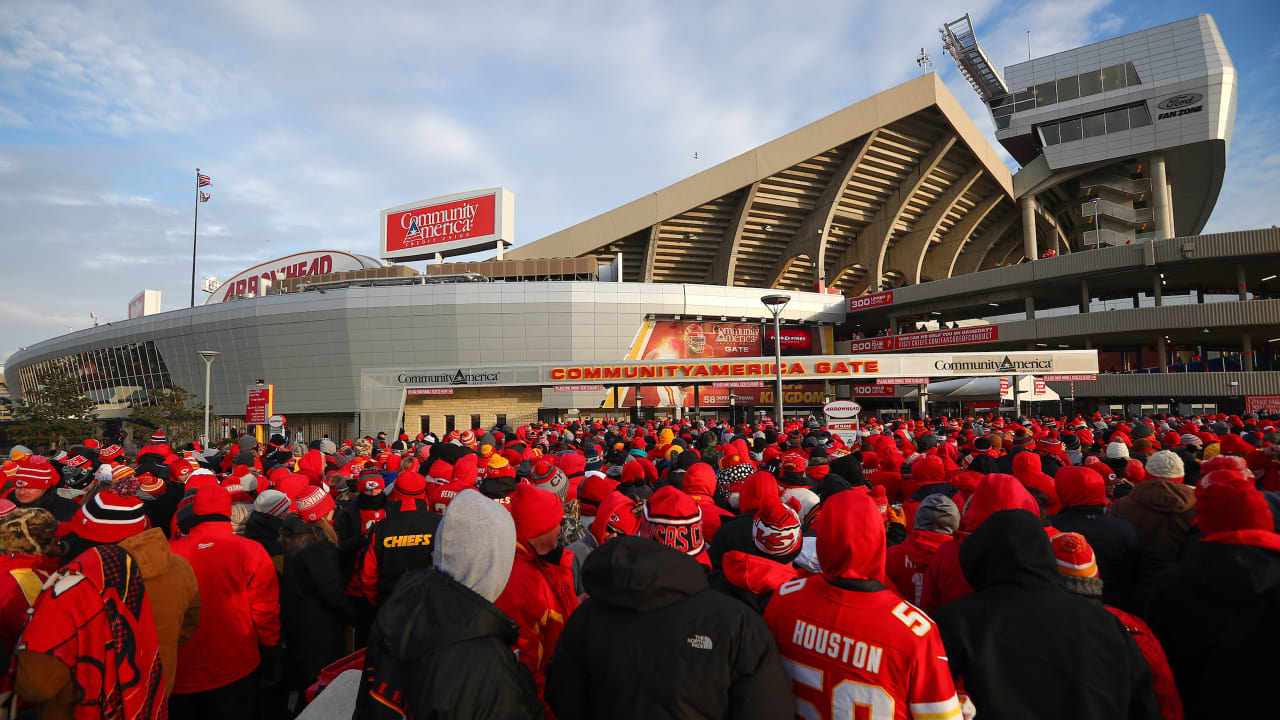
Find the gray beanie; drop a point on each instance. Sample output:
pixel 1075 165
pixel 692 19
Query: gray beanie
pixel 328 447
pixel 272 502
pixel 1165 465
pixel 1117 450
pixel 938 513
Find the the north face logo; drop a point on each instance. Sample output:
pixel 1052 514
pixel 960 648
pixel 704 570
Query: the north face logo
pixel 699 642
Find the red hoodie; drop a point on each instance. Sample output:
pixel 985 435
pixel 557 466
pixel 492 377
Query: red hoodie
pixel 1027 468
pixel 700 484
pixel 944 581
pixel 906 563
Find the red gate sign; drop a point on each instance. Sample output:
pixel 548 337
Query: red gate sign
pixel 448 225
pixel 903 381
pixel 1268 404
pixel 1070 378
pixel 936 338
pixel 1039 387
pixel 873 391
pixel 429 391
pixel 1004 385
pixel 256 409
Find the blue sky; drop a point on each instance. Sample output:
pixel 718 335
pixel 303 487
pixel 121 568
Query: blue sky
pixel 313 116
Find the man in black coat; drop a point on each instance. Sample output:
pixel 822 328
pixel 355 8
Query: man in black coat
pixel 398 543
pixel 1022 647
pixel 440 647
pixel 1083 494
pixel 653 641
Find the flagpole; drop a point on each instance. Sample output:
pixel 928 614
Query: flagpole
pixel 195 224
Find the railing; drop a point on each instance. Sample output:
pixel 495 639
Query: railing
pixel 1125 186
pixel 1107 237
pixel 1123 213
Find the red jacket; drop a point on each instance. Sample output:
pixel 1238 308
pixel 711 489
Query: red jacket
pixel 239 607
pixel 539 597
pixel 1161 674
pixel 892 482
pixel 906 563
pixel 700 484
pixel 21 577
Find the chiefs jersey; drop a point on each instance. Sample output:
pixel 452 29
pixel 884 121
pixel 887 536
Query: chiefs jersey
pixel 864 655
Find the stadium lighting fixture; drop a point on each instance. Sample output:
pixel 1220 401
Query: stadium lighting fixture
pixel 776 303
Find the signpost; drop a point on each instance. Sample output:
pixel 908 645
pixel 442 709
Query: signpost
pixel 257 409
pixel 842 420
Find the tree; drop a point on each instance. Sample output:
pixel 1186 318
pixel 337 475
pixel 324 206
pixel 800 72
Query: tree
pixel 173 409
pixel 56 412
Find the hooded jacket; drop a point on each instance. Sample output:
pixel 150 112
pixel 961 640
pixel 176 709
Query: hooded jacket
pixel 700 484
pixel 735 533
pixel 1026 467
pixel 906 563
pixel 313 611
pixel 1022 647
pixel 174 594
pixel 1114 541
pixel 400 542
pixel 1215 614
pixel 264 529
pixel 817 621
pixel 1161 512
pixel 539 597
pixel 945 581
pixel 646 600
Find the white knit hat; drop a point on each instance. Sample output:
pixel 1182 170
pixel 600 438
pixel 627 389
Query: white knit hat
pixel 1165 465
pixel 1117 450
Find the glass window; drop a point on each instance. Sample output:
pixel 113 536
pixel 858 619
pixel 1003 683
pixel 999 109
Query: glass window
pixel 1025 105
pixel 1090 84
pixel 1113 78
pixel 1139 116
pixel 1002 123
pixel 1070 129
pixel 1001 101
pixel 1046 94
pixel 1118 120
pixel 1049 134
pixel 1131 75
pixel 1003 111
pixel 1024 96
pixel 1068 88
pixel 1094 126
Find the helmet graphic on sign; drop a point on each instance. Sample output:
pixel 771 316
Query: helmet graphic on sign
pixel 694 339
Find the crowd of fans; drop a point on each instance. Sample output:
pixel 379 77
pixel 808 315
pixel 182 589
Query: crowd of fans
pixel 1100 567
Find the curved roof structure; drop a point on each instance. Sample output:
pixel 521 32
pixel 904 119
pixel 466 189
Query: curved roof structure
pixel 899 187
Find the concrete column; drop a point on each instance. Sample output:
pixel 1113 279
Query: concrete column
pixel 1162 349
pixel 1084 295
pixel 1157 290
pixel 1030 304
pixel 1246 361
pixel 1168 211
pixel 1242 285
pixel 893 326
pixel 1088 344
pixel 1160 197
pixel 1028 203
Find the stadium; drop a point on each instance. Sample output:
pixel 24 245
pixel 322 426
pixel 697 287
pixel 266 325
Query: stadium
pixel 899 236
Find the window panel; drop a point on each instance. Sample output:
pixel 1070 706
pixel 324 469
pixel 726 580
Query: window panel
pixel 1003 111
pixel 1118 120
pixel 1002 123
pixel 1070 130
pixel 1049 134
pixel 1046 94
pixel 1094 126
pixel 1068 88
pixel 1131 75
pixel 1139 116
pixel 1090 83
pixel 1113 78
pixel 1024 96
pixel 1025 106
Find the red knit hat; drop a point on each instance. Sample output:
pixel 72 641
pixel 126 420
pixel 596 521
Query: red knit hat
pixel 1232 444
pixel 110 453
pixel 1075 556
pixel 372 480
pixel 1226 500
pixel 776 528
pixel 535 511
pixel 410 485
pixel 35 473
pixel 594 489
pixel 109 518
pixel 674 519
pixel 314 504
pixel 212 500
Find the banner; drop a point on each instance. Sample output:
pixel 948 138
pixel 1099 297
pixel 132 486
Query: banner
pixel 936 338
pixel 683 340
pixel 258 406
pixel 795 341
pixel 1070 378
pixel 1039 386
pixel 864 302
pixel 1263 404
pixel 1004 386
pixel 873 391
pixel 448 225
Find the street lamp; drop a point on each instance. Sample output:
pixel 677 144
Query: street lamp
pixel 208 356
pixel 1097 231
pixel 776 303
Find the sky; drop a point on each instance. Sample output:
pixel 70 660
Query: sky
pixel 311 117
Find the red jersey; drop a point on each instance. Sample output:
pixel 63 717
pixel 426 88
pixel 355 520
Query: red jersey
pixel 847 650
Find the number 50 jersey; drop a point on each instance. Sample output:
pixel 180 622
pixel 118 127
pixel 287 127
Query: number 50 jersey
pixel 854 649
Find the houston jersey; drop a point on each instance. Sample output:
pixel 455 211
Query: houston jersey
pixel 863 655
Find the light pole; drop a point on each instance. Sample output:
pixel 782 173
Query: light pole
pixel 1097 231
pixel 208 356
pixel 776 303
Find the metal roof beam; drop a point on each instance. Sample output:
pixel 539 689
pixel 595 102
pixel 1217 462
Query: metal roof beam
pixel 811 237
pixel 868 249
pixel 725 265
pixel 650 254
pixel 940 260
pixel 981 246
pixel 907 255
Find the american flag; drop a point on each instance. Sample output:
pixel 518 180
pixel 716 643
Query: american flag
pixel 204 196
pixel 203 180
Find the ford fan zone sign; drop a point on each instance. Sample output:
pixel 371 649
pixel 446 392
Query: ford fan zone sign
pixel 448 225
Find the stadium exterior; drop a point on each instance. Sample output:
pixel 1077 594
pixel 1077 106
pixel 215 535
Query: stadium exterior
pixel 890 215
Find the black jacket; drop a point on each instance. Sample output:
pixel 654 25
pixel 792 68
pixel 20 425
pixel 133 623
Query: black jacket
pixel 264 529
pixel 313 611
pixel 1215 614
pixel 1117 547
pixel 160 510
pixel 350 530
pixel 400 542
pixel 1025 648
pixel 439 650
pixel 653 641
pixel 62 508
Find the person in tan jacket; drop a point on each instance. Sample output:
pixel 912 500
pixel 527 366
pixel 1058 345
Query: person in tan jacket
pixel 175 596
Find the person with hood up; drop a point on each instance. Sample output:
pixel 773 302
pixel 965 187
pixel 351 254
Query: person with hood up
pixel 936 520
pixel 1214 612
pixel 239 613
pixel 90 648
pixel 1161 510
pixel 700 484
pixel 443 619
pixel 754 577
pixel 1114 541
pixel 718 659
pixel 1021 647
pixel 735 533
pixel 359 515
pixel 539 596
pixel 859 642
pixel 945 580
pixel 1026 467
pixel 33 487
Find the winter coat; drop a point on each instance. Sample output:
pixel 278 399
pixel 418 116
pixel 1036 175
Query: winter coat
pixel 1022 647
pixel 1215 614
pixel 313 611
pixel 751 578
pixel 264 529
pixel 907 562
pixel 581 550
pixel 700 484
pixel 1117 548
pixel 63 509
pixel 1026 467
pixel 1161 512
pixel 239 607
pixel 400 542
pixel 160 509
pixel 174 594
pixel 439 650
pixel 1161 674
pixel 718 658
pixel 21 577
pixel 539 597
